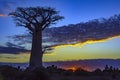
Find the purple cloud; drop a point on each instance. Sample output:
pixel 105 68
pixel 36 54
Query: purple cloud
pixel 94 30
pixel 11 48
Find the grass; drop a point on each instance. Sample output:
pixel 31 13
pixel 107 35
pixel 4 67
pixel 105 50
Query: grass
pixel 1 77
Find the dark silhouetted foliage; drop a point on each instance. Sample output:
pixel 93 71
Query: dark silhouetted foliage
pixel 8 72
pixel 36 19
pixel 80 71
pixel 53 73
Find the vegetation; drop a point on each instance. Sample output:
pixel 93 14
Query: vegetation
pixel 53 73
pixel 36 19
pixel 1 77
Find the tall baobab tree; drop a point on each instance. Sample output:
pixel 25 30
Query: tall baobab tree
pixel 36 19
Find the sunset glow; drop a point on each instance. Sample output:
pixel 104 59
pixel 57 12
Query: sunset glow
pixel 2 15
pixel 91 33
pixel 100 50
pixel 82 44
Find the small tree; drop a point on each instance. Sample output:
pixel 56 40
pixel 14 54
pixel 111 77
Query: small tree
pixel 36 19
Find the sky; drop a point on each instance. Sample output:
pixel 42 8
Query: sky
pixel 74 11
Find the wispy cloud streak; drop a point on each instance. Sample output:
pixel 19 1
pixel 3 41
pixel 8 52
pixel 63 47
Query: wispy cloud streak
pixel 11 48
pixel 3 15
pixel 7 6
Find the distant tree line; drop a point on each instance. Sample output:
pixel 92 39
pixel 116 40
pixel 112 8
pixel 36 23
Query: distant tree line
pixel 12 73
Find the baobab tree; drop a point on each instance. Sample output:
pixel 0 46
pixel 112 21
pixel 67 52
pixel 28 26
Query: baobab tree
pixel 36 19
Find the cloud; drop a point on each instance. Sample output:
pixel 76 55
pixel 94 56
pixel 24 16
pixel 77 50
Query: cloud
pixel 94 30
pixel 3 15
pixel 98 30
pixel 11 48
pixel 7 6
pixel 9 44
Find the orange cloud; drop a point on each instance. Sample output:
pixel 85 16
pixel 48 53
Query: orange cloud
pixel 2 15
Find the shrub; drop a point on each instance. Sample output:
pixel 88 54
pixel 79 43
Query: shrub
pixel 1 77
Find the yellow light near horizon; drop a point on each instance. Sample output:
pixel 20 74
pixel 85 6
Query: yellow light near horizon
pixel 73 69
pixel 87 50
pixel 14 58
pixel 81 44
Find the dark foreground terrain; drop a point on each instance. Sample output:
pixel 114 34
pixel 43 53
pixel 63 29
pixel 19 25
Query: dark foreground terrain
pixel 54 73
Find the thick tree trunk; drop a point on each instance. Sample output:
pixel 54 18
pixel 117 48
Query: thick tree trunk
pixel 36 50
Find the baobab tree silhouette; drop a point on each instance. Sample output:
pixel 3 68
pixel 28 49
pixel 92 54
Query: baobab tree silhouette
pixel 36 19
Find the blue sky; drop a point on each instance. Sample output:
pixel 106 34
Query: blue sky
pixel 74 11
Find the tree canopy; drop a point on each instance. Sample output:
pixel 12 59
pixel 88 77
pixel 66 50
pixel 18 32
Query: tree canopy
pixel 35 18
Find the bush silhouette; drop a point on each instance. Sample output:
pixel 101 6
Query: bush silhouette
pixel 9 72
pixel 36 74
pixel 1 77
